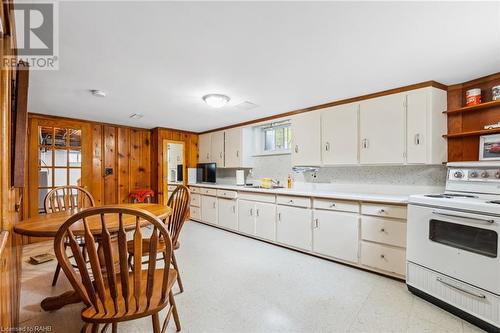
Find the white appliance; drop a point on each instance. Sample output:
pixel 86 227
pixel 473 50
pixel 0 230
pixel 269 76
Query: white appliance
pixel 240 177
pixel 452 244
pixel 191 175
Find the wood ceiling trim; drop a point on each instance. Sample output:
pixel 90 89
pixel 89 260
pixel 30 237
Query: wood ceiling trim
pixel 335 103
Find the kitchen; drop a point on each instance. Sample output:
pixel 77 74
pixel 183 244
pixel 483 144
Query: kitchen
pixel 293 178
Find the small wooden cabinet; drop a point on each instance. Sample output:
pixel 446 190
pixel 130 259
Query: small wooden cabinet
pixel 227 213
pixel 209 209
pixel 335 234
pixel 293 227
pixel 306 139
pixel 339 135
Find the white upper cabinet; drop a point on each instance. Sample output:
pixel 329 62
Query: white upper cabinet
pixel 204 147
pixel 426 124
pixel 238 147
pixel 382 126
pixel 339 134
pixel 306 139
pixel 217 149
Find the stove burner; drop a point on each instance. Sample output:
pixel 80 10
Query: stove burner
pixel 497 202
pixel 450 195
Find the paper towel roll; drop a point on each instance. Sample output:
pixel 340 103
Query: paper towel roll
pixel 240 177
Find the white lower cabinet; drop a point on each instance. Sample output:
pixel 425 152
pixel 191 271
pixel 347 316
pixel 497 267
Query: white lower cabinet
pixel 383 257
pixel 227 214
pixel 209 209
pixel 335 234
pixel 265 220
pixel 257 219
pixel 293 227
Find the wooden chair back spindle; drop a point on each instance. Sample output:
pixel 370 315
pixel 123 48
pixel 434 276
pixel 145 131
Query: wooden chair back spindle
pixel 114 290
pixel 68 197
pixel 179 201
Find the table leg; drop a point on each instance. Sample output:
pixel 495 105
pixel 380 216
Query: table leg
pixel 56 302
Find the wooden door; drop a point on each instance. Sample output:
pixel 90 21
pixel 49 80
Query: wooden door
pixel 265 220
pixel 246 217
pixel 204 144
pixel 306 139
pixel 227 214
pixel 382 130
pixel 209 209
pixel 339 135
pixel 232 148
pixel 217 149
pixel 416 113
pixel 335 234
pixel 293 227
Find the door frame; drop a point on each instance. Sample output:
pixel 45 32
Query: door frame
pixel 165 166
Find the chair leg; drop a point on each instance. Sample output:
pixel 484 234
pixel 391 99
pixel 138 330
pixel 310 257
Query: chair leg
pixel 130 265
pixel 179 281
pixel 114 327
pixel 174 311
pixel 84 328
pixel 156 323
pixel 56 275
pixel 95 328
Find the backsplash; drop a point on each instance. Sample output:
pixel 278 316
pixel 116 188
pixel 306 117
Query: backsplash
pixel 280 166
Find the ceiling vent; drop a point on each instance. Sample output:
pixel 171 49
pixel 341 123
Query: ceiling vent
pixel 246 105
pixel 136 116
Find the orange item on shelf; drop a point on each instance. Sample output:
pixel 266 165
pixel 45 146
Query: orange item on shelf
pixel 473 97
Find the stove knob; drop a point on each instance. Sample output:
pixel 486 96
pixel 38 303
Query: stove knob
pixel 473 174
pixel 485 174
pixel 458 174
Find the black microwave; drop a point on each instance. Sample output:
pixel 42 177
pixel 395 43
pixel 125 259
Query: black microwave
pixel 206 172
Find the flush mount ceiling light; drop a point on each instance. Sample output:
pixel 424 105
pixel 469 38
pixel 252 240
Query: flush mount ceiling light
pixel 98 93
pixel 216 100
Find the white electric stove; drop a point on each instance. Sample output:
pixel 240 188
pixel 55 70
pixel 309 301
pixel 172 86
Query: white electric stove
pixel 453 246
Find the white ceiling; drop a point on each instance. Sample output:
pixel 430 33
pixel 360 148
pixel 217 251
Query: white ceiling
pixel 160 58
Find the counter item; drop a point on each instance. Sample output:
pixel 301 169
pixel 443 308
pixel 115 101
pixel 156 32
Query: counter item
pixel 240 177
pixel 473 97
pixel 495 93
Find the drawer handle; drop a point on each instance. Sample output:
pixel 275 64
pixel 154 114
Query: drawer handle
pixel 332 205
pixel 290 201
pixel 438 279
pixel 382 211
pixel 382 230
pixel 382 256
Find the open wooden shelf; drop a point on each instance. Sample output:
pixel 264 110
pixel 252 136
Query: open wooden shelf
pixel 485 105
pixel 472 133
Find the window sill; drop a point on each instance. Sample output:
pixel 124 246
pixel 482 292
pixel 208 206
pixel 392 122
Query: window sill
pixel 282 152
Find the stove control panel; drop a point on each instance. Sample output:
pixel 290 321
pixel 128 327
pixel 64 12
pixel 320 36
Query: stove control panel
pixel 474 175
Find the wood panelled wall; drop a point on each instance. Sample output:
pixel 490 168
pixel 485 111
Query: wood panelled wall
pixel 134 155
pixel 158 158
pixel 10 249
pixel 467 148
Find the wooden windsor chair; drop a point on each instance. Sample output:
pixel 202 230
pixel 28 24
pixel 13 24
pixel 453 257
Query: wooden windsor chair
pixel 64 198
pixel 110 290
pixel 179 201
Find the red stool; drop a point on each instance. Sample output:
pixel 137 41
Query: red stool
pixel 141 195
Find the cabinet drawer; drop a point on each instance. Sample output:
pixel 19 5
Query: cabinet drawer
pixel 293 201
pixel 195 213
pixel 194 189
pixel 195 200
pixel 171 188
pixel 470 299
pixel 208 191
pixel 254 196
pixel 381 230
pixel 227 194
pixel 383 257
pixel 332 204
pixel 398 212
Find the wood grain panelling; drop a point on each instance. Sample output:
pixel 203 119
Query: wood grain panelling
pixel 96 187
pixel 467 148
pixel 158 159
pixel 110 162
pixel 123 164
pixel 10 249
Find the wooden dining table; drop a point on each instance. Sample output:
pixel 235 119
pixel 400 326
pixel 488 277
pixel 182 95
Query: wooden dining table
pixel 47 225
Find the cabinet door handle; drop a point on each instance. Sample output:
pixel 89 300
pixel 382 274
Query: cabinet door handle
pixel 296 148
pixel 382 229
pixel 220 154
pixel 316 223
pixel 257 212
pixel 279 216
pixel 208 157
pixel 251 211
pixel 214 205
pixel 234 209
pixel 237 153
pixel 417 139
pixel 327 146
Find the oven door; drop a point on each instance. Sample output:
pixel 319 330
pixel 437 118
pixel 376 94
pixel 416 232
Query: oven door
pixel 459 244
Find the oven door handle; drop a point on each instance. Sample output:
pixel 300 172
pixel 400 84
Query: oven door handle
pixel 465 217
pixel 438 279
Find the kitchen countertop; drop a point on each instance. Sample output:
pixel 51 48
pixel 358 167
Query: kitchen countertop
pixel 317 193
